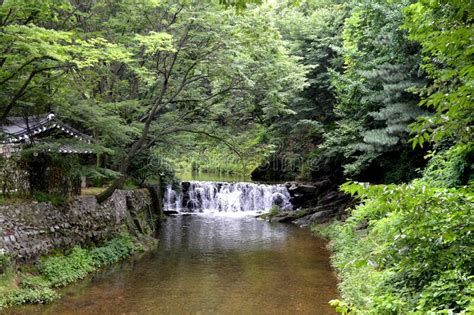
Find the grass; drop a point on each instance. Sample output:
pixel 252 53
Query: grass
pixel 274 211
pixel 92 190
pixel 17 198
pixel 11 199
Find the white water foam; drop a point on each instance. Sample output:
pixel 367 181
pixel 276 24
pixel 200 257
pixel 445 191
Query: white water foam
pixel 230 198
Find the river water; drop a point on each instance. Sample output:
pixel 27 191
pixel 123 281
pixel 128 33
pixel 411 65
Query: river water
pixel 211 264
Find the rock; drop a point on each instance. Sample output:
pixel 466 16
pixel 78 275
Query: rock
pixel 307 189
pixel 318 217
pixel 322 216
pixel 303 222
pixel 278 199
pixel 323 184
pixel 170 212
pixel 185 186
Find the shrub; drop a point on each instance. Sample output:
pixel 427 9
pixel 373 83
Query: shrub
pixel 21 296
pixel 62 270
pixel 415 254
pixel 34 282
pixel 114 251
pixel 450 168
pixel 54 199
pixel 59 270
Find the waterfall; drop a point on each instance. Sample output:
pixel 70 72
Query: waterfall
pixel 197 196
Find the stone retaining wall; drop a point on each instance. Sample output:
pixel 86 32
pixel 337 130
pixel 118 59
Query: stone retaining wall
pixel 31 229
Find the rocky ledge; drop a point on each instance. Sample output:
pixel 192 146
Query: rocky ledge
pixel 316 202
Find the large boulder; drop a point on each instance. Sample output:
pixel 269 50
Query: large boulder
pixel 318 218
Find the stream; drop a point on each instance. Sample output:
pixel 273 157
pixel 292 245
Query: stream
pixel 220 261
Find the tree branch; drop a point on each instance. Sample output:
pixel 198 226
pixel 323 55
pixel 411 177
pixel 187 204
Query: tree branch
pixel 22 89
pixel 24 65
pixel 205 133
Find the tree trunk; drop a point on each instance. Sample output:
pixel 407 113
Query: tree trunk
pixel 156 204
pixel 117 184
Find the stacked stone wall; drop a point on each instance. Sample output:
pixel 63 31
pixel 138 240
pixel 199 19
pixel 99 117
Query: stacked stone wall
pixel 31 229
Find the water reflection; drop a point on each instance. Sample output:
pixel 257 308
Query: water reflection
pixel 217 234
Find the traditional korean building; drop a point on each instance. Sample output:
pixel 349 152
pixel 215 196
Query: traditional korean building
pixel 18 131
pixel 45 134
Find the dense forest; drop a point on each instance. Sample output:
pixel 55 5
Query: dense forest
pixel 372 95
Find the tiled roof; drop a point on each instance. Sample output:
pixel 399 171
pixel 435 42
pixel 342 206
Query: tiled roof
pixel 20 129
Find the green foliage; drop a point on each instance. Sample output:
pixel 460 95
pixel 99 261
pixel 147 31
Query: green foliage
pixel 317 87
pixel 238 157
pixel 4 262
pixel 40 49
pixel 99 176
pixel 239 4
pixel 62 270
pixel 375 104
pixel 34 282
pixel 274 210
pixel 444 30
pixel 314 32
pixel 150 165
pixel 22 296
pixel 36 286
pixel 399 251
pixel 451 168
pixel 113 251
pixel 56 200
pixel 353 117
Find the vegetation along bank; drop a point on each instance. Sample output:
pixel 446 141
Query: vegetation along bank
pixel 46 246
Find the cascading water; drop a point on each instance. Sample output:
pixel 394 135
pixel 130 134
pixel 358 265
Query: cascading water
pixel 196 196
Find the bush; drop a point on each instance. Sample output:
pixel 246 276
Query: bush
pixel 62 270
pixel 450 168
pixel 34 282
pixel 21 296
pixel 274 210
pixel 405 248
pixel 114 251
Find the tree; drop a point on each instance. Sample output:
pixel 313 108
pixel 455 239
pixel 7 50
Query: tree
pixel 375 102
pixel 444 31
pixel 39 50
pixel 207 80
pixel 314 30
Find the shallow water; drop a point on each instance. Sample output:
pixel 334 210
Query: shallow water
pixel 211 265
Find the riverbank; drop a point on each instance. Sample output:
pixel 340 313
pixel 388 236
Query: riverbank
pixel 44 246
pixel 391 259
pixel 38 282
